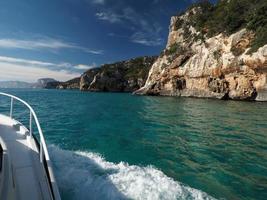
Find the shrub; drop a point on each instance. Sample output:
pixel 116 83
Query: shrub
pixel 178 24
pixel 237 51
pixel 230 16
pixel 172 50
pixel 217 54
pixel 260 39
pixel 258 23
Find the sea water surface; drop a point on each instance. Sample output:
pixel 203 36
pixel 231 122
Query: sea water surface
pixel 120 146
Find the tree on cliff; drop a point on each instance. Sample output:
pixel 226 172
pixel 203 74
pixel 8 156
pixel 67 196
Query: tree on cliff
pixel 230 16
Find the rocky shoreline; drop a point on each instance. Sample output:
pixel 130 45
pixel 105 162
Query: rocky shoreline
pixel 124 76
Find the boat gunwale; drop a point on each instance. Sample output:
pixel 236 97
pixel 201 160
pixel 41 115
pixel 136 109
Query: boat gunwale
pixel 43 147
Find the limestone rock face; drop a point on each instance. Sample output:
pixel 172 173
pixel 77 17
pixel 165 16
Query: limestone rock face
pixel 47 83
pixel 87 78
pixel 216 67
pixel 71 84
pixel 125 76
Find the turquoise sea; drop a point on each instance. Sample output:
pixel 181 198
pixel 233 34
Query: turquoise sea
pixel 120 146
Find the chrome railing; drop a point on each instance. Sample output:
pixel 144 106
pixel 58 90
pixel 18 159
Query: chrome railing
pixel 43 148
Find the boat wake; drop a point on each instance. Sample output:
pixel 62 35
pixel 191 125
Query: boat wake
pixel 85 175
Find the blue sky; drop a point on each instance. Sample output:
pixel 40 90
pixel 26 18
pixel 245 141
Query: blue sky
pixel 63 38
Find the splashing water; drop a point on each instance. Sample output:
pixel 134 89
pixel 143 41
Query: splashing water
pixel 86 175
pixel 215 146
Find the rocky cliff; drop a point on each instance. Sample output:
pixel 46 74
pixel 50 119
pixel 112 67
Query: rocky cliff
pixel 206 59
pixel 47 83
pixel 125 76
pixel 71 84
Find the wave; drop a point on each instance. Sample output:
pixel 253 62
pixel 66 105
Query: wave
pixel 87 175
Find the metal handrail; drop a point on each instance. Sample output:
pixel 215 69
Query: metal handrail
pixel 43 147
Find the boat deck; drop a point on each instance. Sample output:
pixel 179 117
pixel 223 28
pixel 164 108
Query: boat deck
pixel 24 173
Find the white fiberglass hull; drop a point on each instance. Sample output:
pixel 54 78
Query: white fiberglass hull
pixel 22 175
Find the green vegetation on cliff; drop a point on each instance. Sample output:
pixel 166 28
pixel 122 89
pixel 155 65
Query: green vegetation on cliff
pixel 134 68
pixel 229 16
pixel 124 76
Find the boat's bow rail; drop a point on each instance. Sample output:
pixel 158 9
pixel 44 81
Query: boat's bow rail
pixel 44 156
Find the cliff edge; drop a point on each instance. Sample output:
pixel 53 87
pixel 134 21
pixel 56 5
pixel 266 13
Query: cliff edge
pixel 124 76
pixel 214 51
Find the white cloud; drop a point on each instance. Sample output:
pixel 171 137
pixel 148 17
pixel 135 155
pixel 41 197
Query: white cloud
pixel 145 30
pixel 141 38
pixel 85 67
pixel 12 71
pixel 35 63
pixel 30 70
pixel 44 43
pixel 24 61
pixel 97 52
pixel 109 16
pixel 101 2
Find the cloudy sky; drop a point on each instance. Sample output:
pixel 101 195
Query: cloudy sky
pixel 63 38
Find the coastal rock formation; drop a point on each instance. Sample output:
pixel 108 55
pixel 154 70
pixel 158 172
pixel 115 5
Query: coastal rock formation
pixel 125 76
pixel 71 84
pixel 199 63
pixel 47 83
pixel 87 78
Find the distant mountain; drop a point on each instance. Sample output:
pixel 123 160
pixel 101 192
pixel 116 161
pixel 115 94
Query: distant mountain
pixel 45 83
pixel 15 84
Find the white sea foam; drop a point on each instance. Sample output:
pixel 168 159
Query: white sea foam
pixel 85 175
